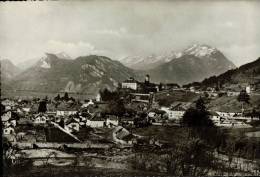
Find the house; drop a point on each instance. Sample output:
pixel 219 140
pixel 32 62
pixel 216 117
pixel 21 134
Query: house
pixel 98 97
pixel 192 89
pixel 85 105
pixel 20 136
pixel 40 119
pixel 151 114
pixel 230 93
pixel 65 112
pixel 211 89
pixel 6 116
pixel 12 121
pixel 140 87
pixel 27 110
pixel 130 83
pixel 9 130
pixel 51 113
pixel 57 119
pixel 66 109
pixel 228 114
pixel 9 118
pixel 7 108
pixel 120 132
pixel 112 121
pixel 96 121
pixel 73 125
pixel 173 114
pixel 215 117
pixel 82 120
pixel 7 102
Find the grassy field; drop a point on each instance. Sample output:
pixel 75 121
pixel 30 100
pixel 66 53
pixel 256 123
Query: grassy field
pixel 170 134
pixel 166 98
pixel 231 104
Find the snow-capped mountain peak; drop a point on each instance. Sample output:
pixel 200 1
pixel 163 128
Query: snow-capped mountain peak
pixel 200 50
pixel 63 55
pixel 149 62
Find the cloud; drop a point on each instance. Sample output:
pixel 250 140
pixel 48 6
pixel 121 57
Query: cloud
pixel 122 31
pixel 73 49
pixel 126 28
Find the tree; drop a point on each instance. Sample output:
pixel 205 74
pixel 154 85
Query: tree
pixel 160 86
pixel 116 107
pixel 206 94
pixel 198 121
pixel 197 117
pixel 11 162
pixel 42 106
pixel 57 98
pixel 66 96
pixel 108 95
pixel 244 98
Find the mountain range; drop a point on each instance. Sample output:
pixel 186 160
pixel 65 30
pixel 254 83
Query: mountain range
pixel 85 74
pixel 193 64
pixel 88 74
pixel 152 61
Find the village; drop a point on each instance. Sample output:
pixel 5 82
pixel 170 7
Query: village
pixel 103 124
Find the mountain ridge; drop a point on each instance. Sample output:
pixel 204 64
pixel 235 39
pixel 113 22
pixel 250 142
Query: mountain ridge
pixel 245 75
pixel 152 61
pixel 85 74
pixel 193 64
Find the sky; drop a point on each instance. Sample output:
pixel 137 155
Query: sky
pixel 118 29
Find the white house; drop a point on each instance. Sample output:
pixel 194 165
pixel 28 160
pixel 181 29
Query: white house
pixel 192 89
pixel 65 112
pixel 40 119
pixel 229 93
pixel 130 83
pixel 112 121
pixel 228 114
pixel 173 114
pixel 6 116
pixel 151 114
pixel 98 97
pixel 96 123
pixel 8 102
pixel 9 130
pixel 7 108
pixel 85 105
pixel 27 110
